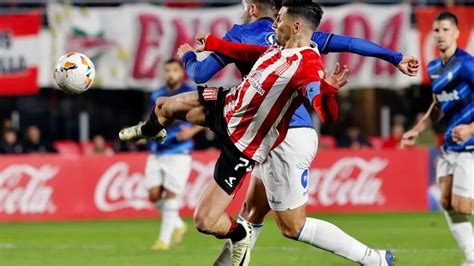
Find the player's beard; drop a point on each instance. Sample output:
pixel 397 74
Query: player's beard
pixel 172 83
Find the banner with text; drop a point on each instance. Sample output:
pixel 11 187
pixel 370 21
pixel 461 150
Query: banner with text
pixel 130 43
pixel 424 22
pixel 19 61
pixel 51 187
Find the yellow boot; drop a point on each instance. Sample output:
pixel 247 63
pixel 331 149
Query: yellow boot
pixel 160 245
pixel 178 235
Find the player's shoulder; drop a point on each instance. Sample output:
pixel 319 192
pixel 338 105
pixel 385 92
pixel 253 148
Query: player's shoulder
pixel 434 64
pixel 158 92
pixel 187 88
pixel 257 32
pixel 310 54
pixel 463 54
pixel 235 33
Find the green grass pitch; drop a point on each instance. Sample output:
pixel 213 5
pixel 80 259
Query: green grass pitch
pixel 416 239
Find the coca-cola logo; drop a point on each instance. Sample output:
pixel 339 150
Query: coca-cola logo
pixel 350 180
pixel 23 189
pixel 118 189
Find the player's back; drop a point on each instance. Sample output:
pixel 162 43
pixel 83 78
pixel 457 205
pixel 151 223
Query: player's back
pixel 171 145
pixel 452 84
pixel 259 110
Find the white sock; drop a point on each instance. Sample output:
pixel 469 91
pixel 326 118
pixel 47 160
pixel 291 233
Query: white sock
pixel 169 215
pixel 256 230
pixel 178 222
pixel 461 229
pixel 329 237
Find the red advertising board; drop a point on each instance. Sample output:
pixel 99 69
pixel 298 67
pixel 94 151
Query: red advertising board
pixel 424 23
pixel 52 187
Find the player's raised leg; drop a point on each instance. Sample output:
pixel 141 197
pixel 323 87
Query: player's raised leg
pixel 184 107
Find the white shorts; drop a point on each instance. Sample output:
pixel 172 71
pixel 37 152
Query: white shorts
pixel 461 166
pixel 285 172
pixel 170 171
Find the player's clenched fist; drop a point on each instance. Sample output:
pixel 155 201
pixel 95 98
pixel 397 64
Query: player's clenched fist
pixel 184 48
pixel 201 41
pixel 462 133
pixel 409 138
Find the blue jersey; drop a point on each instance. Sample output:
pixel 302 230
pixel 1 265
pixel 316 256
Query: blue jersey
pixel 261 32
pixel 453 87
pixel 171 145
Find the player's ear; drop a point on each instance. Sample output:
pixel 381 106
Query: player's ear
pixel 456 33
pixel 297 26
pixel 253 10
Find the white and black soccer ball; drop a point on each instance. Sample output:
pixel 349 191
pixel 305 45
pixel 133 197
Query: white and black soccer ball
pixel 74 73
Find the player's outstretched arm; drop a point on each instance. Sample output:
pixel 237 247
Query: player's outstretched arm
pixel 330 43
pixel 233 50
pixel 201 71
pixel 409 137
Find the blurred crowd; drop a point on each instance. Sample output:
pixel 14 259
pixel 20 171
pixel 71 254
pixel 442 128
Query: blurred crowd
pixel 352 137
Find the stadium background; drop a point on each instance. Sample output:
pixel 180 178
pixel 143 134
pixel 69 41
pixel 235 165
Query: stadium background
pixel 79 178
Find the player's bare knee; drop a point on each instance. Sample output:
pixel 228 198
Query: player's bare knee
pixel 202 222
pixel 154 194
pixel 290 231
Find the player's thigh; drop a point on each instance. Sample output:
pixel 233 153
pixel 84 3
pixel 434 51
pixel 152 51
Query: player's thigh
pixel 286 172
pixel 197 116
pixel 444 175
pixel 179 105
pixel 176 171
pixel 290 222
pixel 256 206
pixel 153 177
pixel 463 183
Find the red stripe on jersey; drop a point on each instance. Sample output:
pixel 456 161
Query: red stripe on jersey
pixel 275 111
pixel 249 114
pixel 285 122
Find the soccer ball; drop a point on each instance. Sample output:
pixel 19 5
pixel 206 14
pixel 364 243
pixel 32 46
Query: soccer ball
pixel 74 73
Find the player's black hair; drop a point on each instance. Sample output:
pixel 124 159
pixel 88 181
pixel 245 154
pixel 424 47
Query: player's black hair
pixel 273 5
pixel 306 9
pixel 172 61
pixel 447 16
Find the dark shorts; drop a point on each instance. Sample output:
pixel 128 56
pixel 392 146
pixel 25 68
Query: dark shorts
pixel 232 166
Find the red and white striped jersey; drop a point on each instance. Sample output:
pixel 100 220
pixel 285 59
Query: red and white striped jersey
pixel 259 110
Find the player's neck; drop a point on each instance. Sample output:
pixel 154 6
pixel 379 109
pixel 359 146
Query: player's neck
pixel 446 55
pixel 298 41
pixel 174 87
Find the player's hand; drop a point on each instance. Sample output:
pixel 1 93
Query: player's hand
pixel 409 138
pixel 201 41
pixel 461 133
pixel 409 66
pixel 184 48
pixel 338 78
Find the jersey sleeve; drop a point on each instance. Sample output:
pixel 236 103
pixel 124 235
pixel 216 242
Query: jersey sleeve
pixel 321 39
pixel 338 43
pixel 319 93
pixel 469 71
pixel 236 51
pixel 202 71
pixel 233 35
